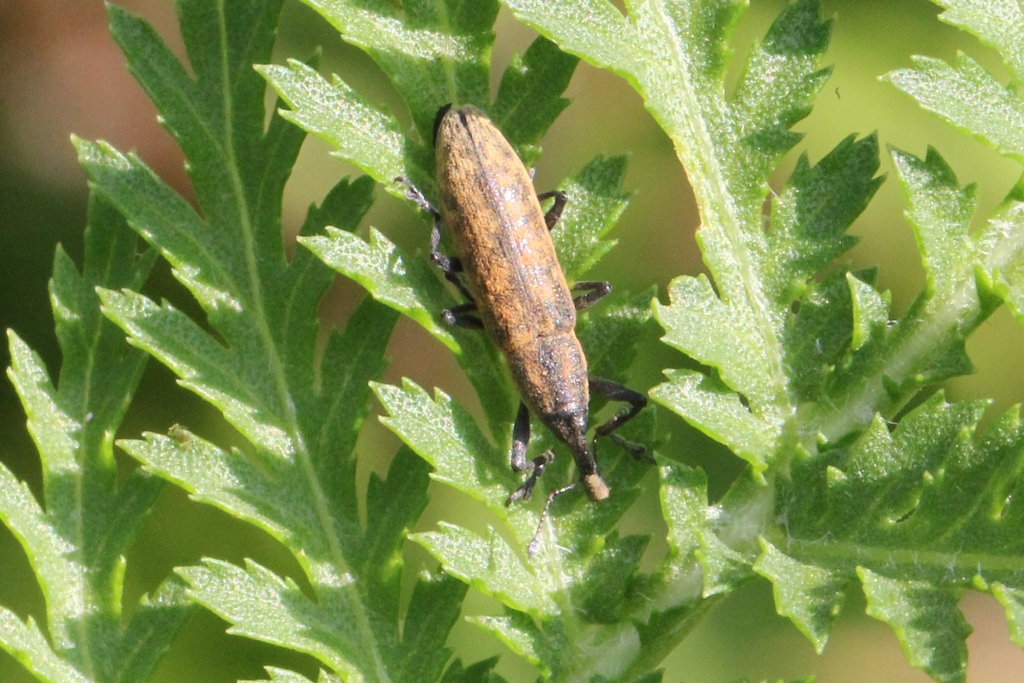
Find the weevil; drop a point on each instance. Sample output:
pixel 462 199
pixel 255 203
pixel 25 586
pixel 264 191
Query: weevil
pixel 507 269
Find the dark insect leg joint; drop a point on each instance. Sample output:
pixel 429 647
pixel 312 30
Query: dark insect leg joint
pixel 619 392
pixel 451 266
pixel 413 194
pixel 520 439
pixel 555 212
pixel 593 292
pixel 463 315
pixel 536 468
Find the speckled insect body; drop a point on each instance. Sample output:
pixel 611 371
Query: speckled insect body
pixel 509 273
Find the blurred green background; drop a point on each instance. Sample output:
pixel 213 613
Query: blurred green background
pixel 63 74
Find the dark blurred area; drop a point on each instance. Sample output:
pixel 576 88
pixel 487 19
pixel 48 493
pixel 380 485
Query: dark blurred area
pixel 62 74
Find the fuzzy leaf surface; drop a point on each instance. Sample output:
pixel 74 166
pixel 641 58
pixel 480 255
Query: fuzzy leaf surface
pixel 917 515
pixel 437 428
pixel 77 536
pixel 298 403
pixel 578 584
pixel 796 364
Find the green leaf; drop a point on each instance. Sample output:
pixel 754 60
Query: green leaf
pixel 940 212
pixel 282 676
pixel 434 53
pixel 489 564
pixel 696 532
pixel 738 407
pixel 797 367
pixel 163 611
pixel 917 515
pixel 443 433
pixel 1004 278
pixel 436 600
pixel 653 677
pixel 257 360
pixel 684 502
pixel 596 201
pixel 608 578
pixel 973 100
pixel 521 634
pixel 406 285
pixel 811 214
pixel 409 286
pixel 969 98
pixel 742 325
pixel 927 622
pixel 1013 600
pixel 216 477
pixel 811 596
pixel 480 672
pixel 27 644
pixel 870 311
pixel 582 574
pixel 996 24
pixel 260 605
pixel 529 96
pixel 719 413
pixel 927 344
pixel 370 139
pixel 77 537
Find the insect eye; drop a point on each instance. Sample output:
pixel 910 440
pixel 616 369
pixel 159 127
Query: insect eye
pixel 437 119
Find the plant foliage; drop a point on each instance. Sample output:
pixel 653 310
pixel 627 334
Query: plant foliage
pixel 802 371
pixel 563 608
pixel 256 360
pixel 77 538
pixel 853 475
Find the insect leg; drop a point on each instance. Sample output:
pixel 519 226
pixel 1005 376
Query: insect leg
pixel 413 194
pixel 555 212
pixel 463 315
pixel 637 401
pixel 449 265
pixel 520 438
pixel 594 292
pixel 534 544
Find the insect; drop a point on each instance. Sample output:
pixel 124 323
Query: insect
pixel 507 269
